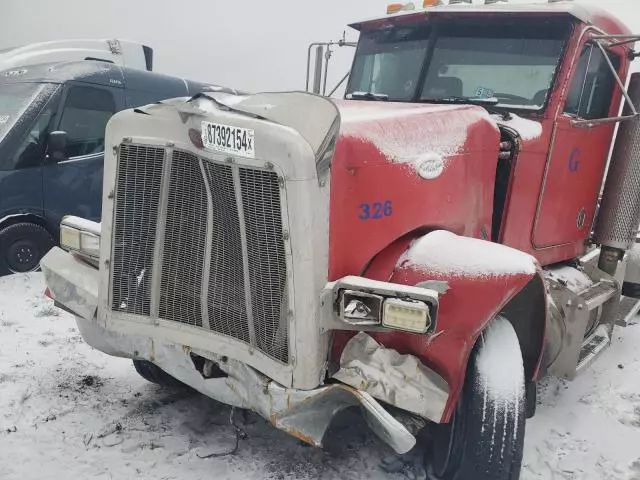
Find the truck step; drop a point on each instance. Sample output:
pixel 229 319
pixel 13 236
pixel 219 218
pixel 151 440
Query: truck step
pixel 596 344
pixel 629 308
pixel 598 294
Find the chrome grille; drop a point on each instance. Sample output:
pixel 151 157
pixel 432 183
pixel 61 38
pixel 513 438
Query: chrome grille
pixel 137 196
pixel 223 264
pixel 184 242
pixel 267 264
pixel 226 299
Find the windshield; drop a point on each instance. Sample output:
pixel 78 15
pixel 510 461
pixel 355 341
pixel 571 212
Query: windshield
pixel 14 100
pixel 510 62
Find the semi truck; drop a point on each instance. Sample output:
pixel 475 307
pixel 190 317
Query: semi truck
pixel 425 248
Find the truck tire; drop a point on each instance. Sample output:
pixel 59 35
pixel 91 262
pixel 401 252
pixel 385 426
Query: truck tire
pixel 485 439
pixel 22 246
pixel 154 374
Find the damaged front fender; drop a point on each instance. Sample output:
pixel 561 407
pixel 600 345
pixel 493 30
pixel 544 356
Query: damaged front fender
pixel 483 279
pixel 399 380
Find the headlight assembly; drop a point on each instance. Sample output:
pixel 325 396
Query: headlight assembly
pixel 80 236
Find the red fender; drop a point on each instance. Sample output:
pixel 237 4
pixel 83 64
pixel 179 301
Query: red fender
pixel 484 279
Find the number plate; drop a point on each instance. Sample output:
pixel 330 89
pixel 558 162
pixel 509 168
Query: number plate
pixel 228 139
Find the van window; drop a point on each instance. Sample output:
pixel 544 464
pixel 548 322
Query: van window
pixel 86 113
pixel 593 85
pixel 32 148
pixel 23 143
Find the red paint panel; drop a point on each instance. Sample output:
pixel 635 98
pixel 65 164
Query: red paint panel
pixel 376 200
pixel 573 179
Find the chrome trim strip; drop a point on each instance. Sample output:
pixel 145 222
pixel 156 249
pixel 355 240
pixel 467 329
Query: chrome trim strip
pixel 158 251
pixel 245 255
pixel 208 246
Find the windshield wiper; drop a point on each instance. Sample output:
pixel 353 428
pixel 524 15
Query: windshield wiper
pixel 368 96
pixel 488 103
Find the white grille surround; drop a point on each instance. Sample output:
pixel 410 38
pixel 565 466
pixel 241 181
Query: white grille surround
pixel 254 298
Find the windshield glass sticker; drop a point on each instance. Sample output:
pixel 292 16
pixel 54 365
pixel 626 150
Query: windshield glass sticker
pixel 484 92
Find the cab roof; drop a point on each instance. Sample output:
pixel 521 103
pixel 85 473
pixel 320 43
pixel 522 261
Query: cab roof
pixel 107 74
pixel 588 14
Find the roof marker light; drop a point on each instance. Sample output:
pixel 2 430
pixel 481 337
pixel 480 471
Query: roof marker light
pixel 431 3
pixel 400 7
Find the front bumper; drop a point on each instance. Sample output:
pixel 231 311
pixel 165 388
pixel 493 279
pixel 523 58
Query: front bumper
pixel 367 370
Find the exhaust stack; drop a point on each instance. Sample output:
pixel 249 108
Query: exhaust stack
pixel 619 218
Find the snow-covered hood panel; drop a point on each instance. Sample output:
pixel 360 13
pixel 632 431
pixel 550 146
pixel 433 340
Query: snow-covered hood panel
pixel 412 133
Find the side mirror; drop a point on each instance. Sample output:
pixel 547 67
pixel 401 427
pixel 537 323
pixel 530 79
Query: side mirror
pixel 57 143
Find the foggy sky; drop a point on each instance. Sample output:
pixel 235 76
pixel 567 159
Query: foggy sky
pixel 247 44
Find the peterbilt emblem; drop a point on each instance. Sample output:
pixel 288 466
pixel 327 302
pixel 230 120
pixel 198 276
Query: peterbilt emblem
pixel 431 166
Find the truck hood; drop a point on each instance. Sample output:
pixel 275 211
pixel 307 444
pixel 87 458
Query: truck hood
pixel 406 133
pixel 418 134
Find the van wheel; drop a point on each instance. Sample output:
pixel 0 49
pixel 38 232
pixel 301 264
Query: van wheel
pixel 485 439
pixel 154 374
pixel 22 246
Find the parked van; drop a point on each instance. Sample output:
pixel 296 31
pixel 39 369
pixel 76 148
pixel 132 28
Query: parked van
pixel 52 123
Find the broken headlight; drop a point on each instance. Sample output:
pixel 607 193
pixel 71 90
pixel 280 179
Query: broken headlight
pixel 363 303
pixel 368 309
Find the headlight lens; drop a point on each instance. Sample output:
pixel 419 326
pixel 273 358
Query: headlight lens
pixel 73 238
pixel 409 315
pixel 69 238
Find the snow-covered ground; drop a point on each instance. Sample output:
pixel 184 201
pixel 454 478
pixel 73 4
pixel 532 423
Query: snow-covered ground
pixel 69 412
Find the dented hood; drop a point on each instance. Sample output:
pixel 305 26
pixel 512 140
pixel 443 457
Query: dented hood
pixel 417 133
pixel 405 133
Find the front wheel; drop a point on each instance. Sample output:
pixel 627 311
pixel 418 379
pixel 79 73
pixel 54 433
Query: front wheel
pixel 485 439
pixel 22 246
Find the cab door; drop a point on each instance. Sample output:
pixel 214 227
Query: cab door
pixel 72 183
pixel 578 155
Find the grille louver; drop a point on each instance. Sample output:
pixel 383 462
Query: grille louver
pixel 134 231
pixel 223 262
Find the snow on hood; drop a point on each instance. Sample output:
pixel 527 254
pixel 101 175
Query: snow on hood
pixel 528 129
pixel 410 133
pixel 453 255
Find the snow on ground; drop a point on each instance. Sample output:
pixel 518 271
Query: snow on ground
pixel 69 412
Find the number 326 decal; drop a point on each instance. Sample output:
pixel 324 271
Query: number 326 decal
pixel 375 211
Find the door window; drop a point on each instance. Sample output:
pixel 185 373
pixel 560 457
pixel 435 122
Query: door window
pixel 32 144
pixel 31 151
pixel 593 85
pixel 86 113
